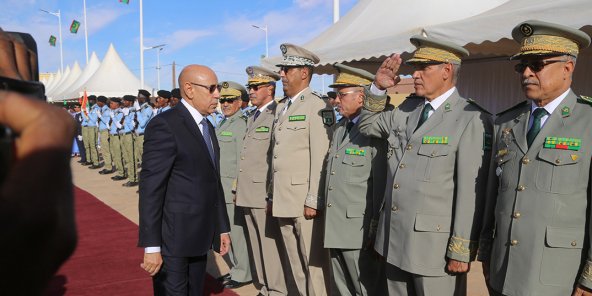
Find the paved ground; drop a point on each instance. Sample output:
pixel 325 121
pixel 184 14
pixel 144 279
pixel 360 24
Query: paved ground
pixel 125 201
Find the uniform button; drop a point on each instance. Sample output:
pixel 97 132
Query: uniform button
pixel 329 205
pixel 240 170
pixel 521 188
pixel 242 158
pixel 409 147
pixel 396 186
pixel 438 228
pixel 558 161
pixel 275 171
pixel 395 208
pixel 514 242
pixel 573 243
pixel 275 156
pixel 517 215
pixel 433 154
pixel 332 173
pixel 280 129
pixel 277 143
pixel 330 187
pixel 402 166
pixel 337 156
pixel 525 160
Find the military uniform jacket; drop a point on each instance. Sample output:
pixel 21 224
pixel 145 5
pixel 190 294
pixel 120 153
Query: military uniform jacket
pixel 255 160
pixel 354 188
pixel 230 136
pixel 433 202
pixel 300 144
pixel 535 231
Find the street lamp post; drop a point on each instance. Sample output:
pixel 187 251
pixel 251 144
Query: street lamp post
pixel 59 16
pixel 158 49
pixel 264 28
pixel 141 45
pixel 85 31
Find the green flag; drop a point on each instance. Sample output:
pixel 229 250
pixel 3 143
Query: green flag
pixel 52 40
pixel 74 26
pixel 124 1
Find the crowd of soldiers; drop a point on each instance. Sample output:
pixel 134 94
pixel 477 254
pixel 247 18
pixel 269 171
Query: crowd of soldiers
pixel 397 201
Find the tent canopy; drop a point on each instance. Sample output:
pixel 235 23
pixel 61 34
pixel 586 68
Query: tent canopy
pixel 89 70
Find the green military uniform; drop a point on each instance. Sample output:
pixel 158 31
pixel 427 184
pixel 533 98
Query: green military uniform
pixel 354 189
pixel 89 133
pixel 115 142
pixel 433 201
pixel 536 235
pixel 127 145
pixel 230 133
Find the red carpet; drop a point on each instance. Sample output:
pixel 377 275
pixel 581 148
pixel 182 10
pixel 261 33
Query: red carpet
pixel 106 260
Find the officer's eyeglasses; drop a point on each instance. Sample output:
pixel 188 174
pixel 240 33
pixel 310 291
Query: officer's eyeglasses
pixel 211 88
pixel 343 94
pixel 226 100
pixel 256 87
pixel 285 69
pixel 535 66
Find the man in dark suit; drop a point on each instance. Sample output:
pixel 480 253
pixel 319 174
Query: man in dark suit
pixel 182 208
pixel 79 121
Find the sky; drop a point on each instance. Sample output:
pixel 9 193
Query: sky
pixel 218 34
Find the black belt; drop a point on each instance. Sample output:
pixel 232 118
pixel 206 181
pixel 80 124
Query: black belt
pixel 140 134
pixel 126 133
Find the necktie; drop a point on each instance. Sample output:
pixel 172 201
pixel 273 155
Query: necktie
pixel 207 138
pixel 536 124
pixel 287 107
pixel 256 115
pixel 348 128
pixel 424 114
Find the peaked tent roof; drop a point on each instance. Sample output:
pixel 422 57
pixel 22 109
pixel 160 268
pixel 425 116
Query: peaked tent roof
pixel 55 82
pixel 64 86
pixel 91 68
pixel 65 76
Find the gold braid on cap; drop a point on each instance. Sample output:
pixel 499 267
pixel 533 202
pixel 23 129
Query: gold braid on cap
pixel 259 78
pixel 290 60
pixel 344 78
pixel 230 93
pixel 542 44
pixel 434 54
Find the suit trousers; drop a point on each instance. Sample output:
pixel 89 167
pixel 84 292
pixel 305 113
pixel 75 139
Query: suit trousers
pixel 105 149
pixel 81 150
pixel 309 260
pixel 180 276
pixel 404 283
pixel 90 144
pixel 127 143
pixel 115 143
pixel 240 265
pixel 357 272
pixel 267 252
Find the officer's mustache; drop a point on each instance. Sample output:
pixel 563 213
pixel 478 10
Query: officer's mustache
pixel 527 81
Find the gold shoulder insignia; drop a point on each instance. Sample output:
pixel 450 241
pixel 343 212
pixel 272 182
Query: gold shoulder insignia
pixel 473 102
pixel 519 105
pixel 585 99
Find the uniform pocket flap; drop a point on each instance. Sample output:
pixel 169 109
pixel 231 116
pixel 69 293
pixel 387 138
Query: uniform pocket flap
pixel 260 136
pixel 353 160
pixel 570 238
pixel 225 138
pixel 259 179
pixel 298 180
pixel 433 150
pixel 295 127
pixel 356 211
pixel 559 157
pixel 432 223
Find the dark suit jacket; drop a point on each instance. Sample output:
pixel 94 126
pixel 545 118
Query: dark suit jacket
pixel 182 206
pixel 78 118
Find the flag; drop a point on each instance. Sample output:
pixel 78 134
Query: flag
pixel 84 104
pixel 52 40
pixel 74 26
pixel 124 1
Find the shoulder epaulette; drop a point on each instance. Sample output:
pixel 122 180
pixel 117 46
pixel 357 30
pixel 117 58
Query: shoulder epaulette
pixel 519 105
pixel 585 99
pixel 317 94
pixel 473 102
pixel 283 99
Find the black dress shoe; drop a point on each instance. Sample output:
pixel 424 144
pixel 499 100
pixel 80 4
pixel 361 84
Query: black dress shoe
pixel 107 172
pixel 118 178
pixel 232 284
pixel 224 278
pixel 94 167
pixel 130 184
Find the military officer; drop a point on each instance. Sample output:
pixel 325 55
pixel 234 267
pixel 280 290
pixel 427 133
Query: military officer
pixel 301 136
pixel 355 180
pixel 535 238
pixel 116 115
pixel 230 133
pixel 175 97
pixel 252 183
pixel 162 101
pixel 143 115
pixel 439 146
pixel 127 141
pixel 104 121
pixel 90 132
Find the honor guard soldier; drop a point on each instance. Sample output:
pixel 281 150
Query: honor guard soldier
pixel 143 115
pixel 301 136
pixel 127 141
pixel 354 189
pixel 535 238
pixel 90 132
pixel 230 133
pixel 175 97
pixel 252 183
pixel 116 115
pixel 162 101
pixel 104 120
pixel 439 147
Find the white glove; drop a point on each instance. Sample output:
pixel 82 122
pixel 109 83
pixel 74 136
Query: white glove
pixel 98 146
pixel 118 125
pixel 79 138
pixel 126 111
pixel 99 114
pixel 111 114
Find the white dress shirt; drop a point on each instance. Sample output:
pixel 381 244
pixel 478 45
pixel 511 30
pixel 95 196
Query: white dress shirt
pixel 549 107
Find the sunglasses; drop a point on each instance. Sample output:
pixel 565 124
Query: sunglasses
pixel 256 87
pixel 227 100
pixel 343 94
pixel 535 66
pixel 211 88
pixel 285 69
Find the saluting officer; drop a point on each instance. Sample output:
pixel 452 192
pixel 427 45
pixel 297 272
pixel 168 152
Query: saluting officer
pixel 439 147
pixel 535 238
pixel 252 183
pixel 230 133
pixel 301 136
pixel 354 189
pixel 116 116
pixel 127 141
pixel 142 117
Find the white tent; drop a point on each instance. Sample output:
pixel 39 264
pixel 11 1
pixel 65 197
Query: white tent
pixel 59 77
pixel 64 86
pixel 50 80
pixel 112 78
pixel 89 70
